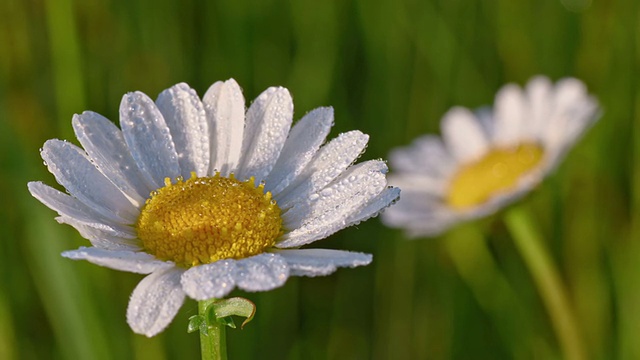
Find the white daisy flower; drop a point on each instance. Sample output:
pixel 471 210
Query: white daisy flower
pixel 489 158
pixel 205 198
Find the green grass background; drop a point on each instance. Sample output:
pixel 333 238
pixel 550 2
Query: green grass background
pixel 390 69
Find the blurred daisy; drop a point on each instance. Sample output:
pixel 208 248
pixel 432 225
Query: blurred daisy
pixel 487 159
pixel 205 198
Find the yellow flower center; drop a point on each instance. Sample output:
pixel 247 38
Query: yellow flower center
pixel 497 172
pixel 205 219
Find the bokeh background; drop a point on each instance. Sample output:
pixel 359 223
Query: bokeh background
pixel 391 69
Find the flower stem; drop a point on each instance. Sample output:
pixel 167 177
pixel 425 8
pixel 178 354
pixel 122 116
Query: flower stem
pixel 478 268
pixel 212 342
pixel 554 295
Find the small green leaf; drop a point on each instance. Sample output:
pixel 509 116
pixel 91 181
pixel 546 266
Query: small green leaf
pixel 227 321
pixel 204 328
pixel 195 323
pixel 236 306
pixel 221 312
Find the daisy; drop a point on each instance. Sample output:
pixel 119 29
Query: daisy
pixel 489 158
pixel 205 198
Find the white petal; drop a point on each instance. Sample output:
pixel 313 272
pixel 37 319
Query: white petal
pixel 103 236
pixel 329 210
pixel 67 205
pixel 419 215
pixel 104 143
pixel 329 162
pixel 261 272
pixel 122 231
pixel 581 117
pixel 155 302
pixel 426 155
pixel 334 194
pixel 437 224
pixel 377 205
pixel 73 170
pixel 463 135
pixel 257 273
pixel 567 92
pixel 574 110
pixel 224 105
pixel 148 138
pixel 209 281
pixel 419 182
pixel 413 206
pixel 510 110
pixel 484 114
pixel 539 91
pixel 184 114
pixel 303 142
pixel 320 262
pixel 135 262
pixel 268 122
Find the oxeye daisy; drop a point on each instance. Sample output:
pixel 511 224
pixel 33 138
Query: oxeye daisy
pixel 488 158
pixel 205 197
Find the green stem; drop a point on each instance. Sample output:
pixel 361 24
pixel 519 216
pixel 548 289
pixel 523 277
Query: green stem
pixel 213 342
pixel 477 267
pixel 545 275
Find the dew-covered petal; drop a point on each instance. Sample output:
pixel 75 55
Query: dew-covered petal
pixel 209 281
pixel 303 142
pixel 328 211
pixel 377 205
pixel 122 231
pixel 224 106
pixel 135 262
pixel 103 236
pixel 320 262
pixel 257 273
pixel 510 110
pixel 155 302
pixel 73 170
pixel 267 125
pixel 463 135
pixel 426 154
pixel 66 205
pixel 337 192
pixel 148 138
pixel 104 143
pixel 184 114
pixel 329 162
pixel 261 272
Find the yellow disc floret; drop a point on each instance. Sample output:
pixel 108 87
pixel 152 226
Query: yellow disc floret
pixel 496 172
pixel 205 219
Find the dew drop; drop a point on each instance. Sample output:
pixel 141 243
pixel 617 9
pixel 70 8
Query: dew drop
pixel 327 192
